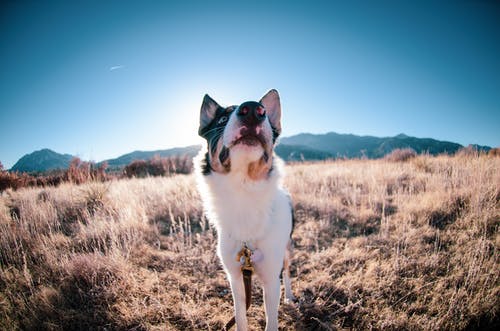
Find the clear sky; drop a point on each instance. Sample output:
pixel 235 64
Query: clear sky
pixel 102 78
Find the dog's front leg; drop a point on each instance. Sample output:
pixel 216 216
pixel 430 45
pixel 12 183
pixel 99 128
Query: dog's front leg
pixel 238 289
pixel 271 302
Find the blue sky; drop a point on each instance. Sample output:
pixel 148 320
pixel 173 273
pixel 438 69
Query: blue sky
pixel 99 79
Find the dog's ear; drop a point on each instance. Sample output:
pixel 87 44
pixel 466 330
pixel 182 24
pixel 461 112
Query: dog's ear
pixel 207 112
pixel 271 102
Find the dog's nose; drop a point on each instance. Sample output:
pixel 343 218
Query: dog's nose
pixel 251 113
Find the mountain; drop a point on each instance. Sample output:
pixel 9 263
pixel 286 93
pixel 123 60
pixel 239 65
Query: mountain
pixel 353 146
pixel 125 159
pixel 337 145
pixel 46 159
pixel 301 147
pixel 42 160
pixel 300 153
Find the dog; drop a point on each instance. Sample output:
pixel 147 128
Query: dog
pixel 240 181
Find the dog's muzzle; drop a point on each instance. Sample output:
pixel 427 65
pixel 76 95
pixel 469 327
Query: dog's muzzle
pixel 250 116
pixel 251 113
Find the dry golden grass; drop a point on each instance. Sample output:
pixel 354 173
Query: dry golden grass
pixel 378 245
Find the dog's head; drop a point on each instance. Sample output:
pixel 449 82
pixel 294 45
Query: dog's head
pixel 241 137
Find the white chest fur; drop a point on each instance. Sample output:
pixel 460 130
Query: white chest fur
pixel 241 209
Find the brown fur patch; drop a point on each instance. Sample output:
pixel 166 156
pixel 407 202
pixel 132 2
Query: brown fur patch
pixel 260 169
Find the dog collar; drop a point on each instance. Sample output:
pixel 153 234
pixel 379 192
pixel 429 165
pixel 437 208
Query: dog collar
pixel 246 256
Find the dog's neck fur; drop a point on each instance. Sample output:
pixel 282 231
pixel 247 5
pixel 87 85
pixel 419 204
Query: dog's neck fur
pixel 255 165
pixel 239 204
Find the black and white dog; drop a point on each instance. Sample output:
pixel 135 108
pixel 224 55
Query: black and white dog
pixel 239 179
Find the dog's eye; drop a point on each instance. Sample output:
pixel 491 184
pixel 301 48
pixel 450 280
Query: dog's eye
pixel 221 120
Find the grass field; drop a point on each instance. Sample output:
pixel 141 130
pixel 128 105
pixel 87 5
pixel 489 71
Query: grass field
pixel 379 244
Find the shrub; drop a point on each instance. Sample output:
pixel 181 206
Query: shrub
pixel 80 172
pixel 469 151
pixel 16 180
pixel 494 151
pixel 401 155
pixel 158 166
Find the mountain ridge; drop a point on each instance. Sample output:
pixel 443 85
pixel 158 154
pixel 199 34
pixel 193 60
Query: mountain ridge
pixel 42 160
pixel 300 147
pixel 354 146
pixel 125 159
